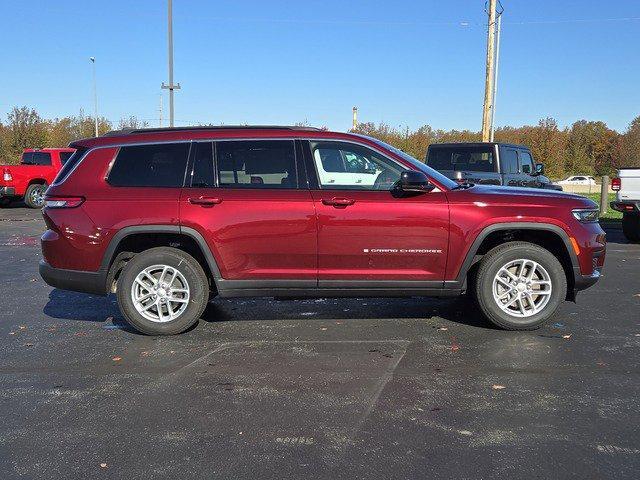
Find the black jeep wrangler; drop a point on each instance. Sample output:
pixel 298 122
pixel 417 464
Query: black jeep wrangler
pixel 488 164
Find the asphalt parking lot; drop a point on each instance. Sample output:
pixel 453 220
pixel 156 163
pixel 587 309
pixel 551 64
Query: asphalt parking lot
pixel 358 388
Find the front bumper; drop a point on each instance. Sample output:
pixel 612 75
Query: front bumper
pixel 75 280
pixel 7 192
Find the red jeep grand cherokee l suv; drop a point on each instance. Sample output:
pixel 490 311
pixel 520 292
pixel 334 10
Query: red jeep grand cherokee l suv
pixel 165 218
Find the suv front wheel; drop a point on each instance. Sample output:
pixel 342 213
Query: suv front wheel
pixel 162 291
pixel 519 285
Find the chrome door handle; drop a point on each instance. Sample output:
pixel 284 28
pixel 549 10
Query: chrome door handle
pixel 205 201
pixel 338 202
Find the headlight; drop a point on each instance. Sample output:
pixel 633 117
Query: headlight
pixel 586 215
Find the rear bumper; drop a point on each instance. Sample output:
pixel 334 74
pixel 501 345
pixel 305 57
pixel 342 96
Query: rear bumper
pixel 7 192
pixel 75 280
pixel 626 207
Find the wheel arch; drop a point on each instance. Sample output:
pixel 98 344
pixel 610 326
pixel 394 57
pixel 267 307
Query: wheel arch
pixel 134 239
pixel 547 235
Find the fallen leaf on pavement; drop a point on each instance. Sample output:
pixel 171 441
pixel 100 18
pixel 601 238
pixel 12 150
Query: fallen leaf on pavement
pixel 103 465
pixel 12 333
pixel 116 359
pixel 566 336
pixel 498 387
pixel 28 344
pixel 443 329
pixel 323 328
pixel 455 347
pixel 23 327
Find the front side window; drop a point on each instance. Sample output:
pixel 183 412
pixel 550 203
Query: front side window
pixel 161 165
pixel 36 158
pixel 347 166
pixel 256 164
pixel 526 161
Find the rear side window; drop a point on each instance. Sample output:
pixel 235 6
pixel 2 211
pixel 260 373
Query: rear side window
pixel 256 164
pixel 64 156
pixel 476 159
pixel 161 165
pixel 36 158
pixel 71 162
pixel 202 173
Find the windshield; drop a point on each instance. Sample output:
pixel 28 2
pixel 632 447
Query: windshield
pixel 431 173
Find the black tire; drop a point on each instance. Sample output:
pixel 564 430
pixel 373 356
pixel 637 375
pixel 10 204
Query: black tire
pixel 631 226
pixel 191 271
pixel 500 256
pixel 34 196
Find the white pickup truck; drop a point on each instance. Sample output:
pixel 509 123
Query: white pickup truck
pixel 627 188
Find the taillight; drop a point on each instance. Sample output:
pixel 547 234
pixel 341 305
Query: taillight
pixel 6 176
pixel 616 184
pixel 62 202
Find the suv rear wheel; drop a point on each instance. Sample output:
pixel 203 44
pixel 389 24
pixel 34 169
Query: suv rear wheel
pixel 519 285
pixel 162 291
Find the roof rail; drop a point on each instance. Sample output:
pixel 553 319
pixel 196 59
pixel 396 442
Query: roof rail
pixel 133 131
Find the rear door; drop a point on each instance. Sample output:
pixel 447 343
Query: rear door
pixel 250 202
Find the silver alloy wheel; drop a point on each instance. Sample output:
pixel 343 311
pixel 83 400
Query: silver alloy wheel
pixel 522 288
pixel 160 293
pixel 37 196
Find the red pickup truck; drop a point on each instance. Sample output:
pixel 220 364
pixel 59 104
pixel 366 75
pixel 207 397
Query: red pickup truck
pixel 29 179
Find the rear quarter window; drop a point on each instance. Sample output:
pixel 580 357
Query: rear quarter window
pixel 161 165
pixel 69 165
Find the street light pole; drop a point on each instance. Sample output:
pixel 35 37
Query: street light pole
pixel 171 87
pixel 95 94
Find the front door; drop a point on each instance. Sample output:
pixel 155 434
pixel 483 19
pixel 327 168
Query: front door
pixel 366 233
pixel 244 198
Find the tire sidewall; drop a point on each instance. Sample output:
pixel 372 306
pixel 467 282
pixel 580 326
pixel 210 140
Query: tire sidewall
pixel 193 274
pixel 29 193
pixel 558 286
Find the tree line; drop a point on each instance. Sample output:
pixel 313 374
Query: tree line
pixel 586 147
pixel 25 128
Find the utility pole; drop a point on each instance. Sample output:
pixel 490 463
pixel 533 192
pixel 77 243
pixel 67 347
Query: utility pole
pixel 488 84
pixel 171 87
pixel 95 94
pixel 354 121
pixel 495 77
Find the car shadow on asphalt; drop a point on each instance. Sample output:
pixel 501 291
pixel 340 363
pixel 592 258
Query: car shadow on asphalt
pixel 65 305
pixel 457 310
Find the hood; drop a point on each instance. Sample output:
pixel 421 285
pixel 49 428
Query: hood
pixel 532 195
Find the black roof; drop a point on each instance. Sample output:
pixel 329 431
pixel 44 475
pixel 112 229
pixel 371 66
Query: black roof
pixel 131 131
pixel 477 144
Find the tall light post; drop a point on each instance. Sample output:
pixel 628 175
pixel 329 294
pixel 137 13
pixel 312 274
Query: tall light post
pixel 171 87
pixel 495 73
pixel 95 94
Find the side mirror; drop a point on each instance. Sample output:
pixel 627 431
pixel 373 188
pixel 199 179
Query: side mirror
pixel 412 181
pixel 539 169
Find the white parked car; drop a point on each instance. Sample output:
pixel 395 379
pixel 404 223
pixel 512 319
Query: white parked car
pixel 578 180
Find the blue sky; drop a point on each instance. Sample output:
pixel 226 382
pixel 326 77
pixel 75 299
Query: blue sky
pixel 406 62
